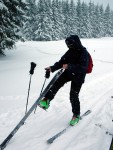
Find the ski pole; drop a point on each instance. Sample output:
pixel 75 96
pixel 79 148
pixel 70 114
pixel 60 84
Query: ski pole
pixel 33 65
pixel 47 75
pixel 17 127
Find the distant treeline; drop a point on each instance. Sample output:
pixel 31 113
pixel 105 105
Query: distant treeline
pixel 45 20
pixel 57 19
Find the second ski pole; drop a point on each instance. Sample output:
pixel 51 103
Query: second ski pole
pixel 47 75
pixel 33 65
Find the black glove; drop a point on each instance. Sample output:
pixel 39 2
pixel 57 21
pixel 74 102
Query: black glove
pixel 47 75
pixel 33 65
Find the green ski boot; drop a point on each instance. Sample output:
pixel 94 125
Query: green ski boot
pixel 44 103
pixel 74 120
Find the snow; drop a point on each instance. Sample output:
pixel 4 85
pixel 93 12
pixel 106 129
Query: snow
pixel 2 6
pixel 39 127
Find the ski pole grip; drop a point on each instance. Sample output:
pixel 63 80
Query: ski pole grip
pixel 47 75
pixel 33 65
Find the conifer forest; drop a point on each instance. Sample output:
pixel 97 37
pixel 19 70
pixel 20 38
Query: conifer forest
pixel 46 20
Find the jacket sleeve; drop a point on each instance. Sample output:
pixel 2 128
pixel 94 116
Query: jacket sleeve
pixel 82 66
pixel 59 64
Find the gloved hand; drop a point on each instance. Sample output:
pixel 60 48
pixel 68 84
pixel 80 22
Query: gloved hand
pixel 48 70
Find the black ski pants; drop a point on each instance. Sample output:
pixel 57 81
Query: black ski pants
pixel 74 91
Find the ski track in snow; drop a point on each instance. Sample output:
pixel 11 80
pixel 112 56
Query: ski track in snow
pixel 99 103
pixel 95 95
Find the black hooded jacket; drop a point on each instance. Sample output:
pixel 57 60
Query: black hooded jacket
pixel 77 59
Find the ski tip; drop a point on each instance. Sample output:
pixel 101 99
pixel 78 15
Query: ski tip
pixel 50 141
pixel 85 114
pixel 88 111
pixel 80 118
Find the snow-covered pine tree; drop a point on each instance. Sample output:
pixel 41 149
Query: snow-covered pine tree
pixel 72 18
pixel 67 18
pixel 101 20
pixel 108 28
pixel 30 22
pixel 96 24
pixel 43 27
pixel 79 17
pixel 84 21
pixel 11 20
pixel 112 22
pixel 58 20
pixel 91 18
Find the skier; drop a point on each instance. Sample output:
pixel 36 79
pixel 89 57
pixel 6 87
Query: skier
pixel 75 62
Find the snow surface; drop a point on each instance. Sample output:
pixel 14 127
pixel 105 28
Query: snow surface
pixel 95 95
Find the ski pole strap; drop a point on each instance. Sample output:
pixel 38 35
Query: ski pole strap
pixel 33 65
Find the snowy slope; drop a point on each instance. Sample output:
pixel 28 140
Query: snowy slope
pixel 95 95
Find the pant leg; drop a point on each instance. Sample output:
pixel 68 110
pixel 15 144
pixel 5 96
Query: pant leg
pixel 57 85
pixel 74 97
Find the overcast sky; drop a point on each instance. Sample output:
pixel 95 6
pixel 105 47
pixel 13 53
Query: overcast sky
pixel 104 2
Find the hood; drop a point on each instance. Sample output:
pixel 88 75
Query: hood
pixel 74 42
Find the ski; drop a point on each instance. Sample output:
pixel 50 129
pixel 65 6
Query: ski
pixel 8 138
pixel 51 140
pixel 106 130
